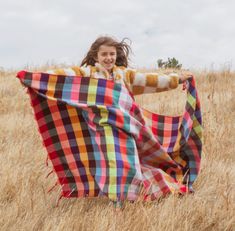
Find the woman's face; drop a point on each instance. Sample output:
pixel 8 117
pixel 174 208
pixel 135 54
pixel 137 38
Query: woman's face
pixel 107 56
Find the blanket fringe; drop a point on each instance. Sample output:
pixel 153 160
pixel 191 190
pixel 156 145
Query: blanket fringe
pixel 52 187
pixel 49 173
pixel 47 161
pixel 57 203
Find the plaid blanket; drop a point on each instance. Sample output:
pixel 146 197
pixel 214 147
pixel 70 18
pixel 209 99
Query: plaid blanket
pixel 100 142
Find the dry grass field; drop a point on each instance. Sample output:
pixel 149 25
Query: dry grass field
pixel 26 205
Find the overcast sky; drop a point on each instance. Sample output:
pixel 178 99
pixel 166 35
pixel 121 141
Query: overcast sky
pixel 199 33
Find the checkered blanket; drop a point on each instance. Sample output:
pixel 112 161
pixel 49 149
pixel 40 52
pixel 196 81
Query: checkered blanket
pixel 100 142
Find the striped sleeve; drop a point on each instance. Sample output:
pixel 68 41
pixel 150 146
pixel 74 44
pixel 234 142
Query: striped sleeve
pixel 141 83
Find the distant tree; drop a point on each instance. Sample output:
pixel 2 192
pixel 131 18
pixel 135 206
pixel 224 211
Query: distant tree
pixel 170 63
pixel 160 63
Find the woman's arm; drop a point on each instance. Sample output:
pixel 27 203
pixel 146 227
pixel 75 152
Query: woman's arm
pixel 141 83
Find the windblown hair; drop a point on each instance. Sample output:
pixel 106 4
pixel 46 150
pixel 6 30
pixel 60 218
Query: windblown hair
pixel 123 50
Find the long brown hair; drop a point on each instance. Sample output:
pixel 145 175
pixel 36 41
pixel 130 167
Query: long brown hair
pixel 123 50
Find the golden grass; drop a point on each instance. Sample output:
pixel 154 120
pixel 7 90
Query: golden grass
pixel 26 205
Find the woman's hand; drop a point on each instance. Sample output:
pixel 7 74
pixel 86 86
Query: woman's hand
pixel 184 75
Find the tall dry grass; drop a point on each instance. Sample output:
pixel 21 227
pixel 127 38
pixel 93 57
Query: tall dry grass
pixel 26 205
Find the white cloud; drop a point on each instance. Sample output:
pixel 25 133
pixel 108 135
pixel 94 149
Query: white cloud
pixel 198 33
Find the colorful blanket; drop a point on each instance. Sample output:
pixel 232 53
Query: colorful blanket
pixel 100 142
